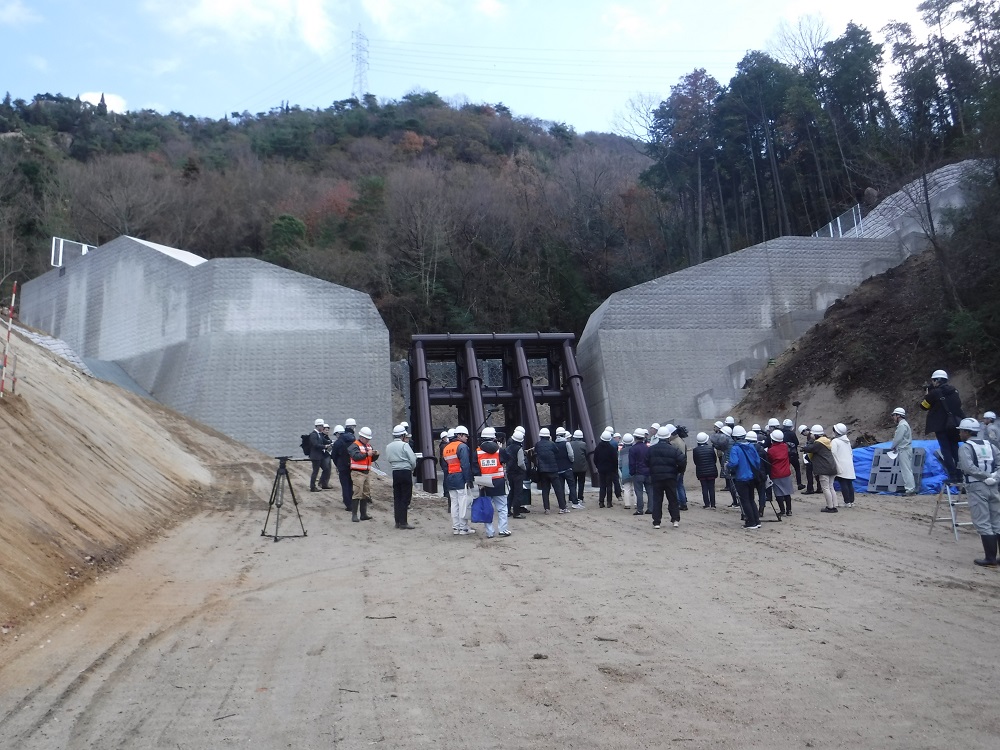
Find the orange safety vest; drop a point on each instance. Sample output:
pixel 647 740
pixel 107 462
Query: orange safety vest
pixel 450 456
pixel 489 464
pixel 365 463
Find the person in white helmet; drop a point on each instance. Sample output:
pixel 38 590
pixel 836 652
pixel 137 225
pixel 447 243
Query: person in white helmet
pixel 824 465
pixel 362 454
pixel 792 441
pixel 489 463
pixel 517 475
pixel 979 461
pixel 446 437
pixel 666 463
pixel 547 464
pixel 722 441
pixel 580 463
pixel 606 462
pixel 638 467
pixel 403 461
pixel 944 411
pixel 743 464
pixel 780 468
pixel 843 454
pixel 458 480
pixel 318 441
pixel 342 460
pixel 902 444
pixel 804 432
pixel 706 469
pixel 628 488
pixel 991 430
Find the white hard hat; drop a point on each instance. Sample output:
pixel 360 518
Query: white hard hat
pixel 777 436
pixel 406 426
pixel 366 432
pixel 578 434
pixel 755 428
pixel 788 423
pixel 899 411
pixel 730 421
pixel 971 424
pixel 606 436
pixel 739 432
pixel 639 432
pixel 351 422
pixel 338 429
pixel 520 429
pixel 444 434
pixel 627 439
pixel 840 428
pixel 461 430
pixel 772 422
pixel 518 434
pixel 318 422
pixel 662 433
pixel 803 428
pixel 718 425
pixel 398 431
pixel 989 415
pixel 669 428
pixel 488 433
pixel 752 436
pixel 727 430
pixel 817 429
pixel 702 437
pixel 326 426
pixel 939 375
pixel 544 432
pixel 451 432
pixel 609 428
pixel 560 430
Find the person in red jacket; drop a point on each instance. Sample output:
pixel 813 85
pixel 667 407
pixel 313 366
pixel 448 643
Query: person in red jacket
pixel 781 472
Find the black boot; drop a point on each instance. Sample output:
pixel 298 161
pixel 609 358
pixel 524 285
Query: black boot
pixel 990 548
pixel 354 510
pixel 364 511
pixel 788 503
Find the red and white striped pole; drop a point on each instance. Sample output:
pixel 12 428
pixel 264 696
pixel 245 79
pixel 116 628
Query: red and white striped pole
pixel 6 346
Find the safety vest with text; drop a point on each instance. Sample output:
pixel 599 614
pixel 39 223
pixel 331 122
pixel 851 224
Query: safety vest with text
pixel 489 464
pixel 365 462
pixel 450 456
pixel 982 456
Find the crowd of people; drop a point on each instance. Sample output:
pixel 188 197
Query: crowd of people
pixel 645 468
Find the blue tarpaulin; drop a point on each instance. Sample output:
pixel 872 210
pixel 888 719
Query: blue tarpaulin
pixel 934 473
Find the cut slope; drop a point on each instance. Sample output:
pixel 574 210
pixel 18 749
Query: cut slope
pixel 90 470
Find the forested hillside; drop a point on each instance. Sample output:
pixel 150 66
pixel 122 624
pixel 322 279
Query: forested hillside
pixel 466 218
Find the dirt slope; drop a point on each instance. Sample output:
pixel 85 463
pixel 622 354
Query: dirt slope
pixel 89 472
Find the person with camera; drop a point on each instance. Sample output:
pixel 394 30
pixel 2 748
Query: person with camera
pixel 979 461
pixel 403 462
pixel 944 412
pixel 362 455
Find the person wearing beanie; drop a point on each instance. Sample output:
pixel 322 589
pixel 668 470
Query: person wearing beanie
pixel 517 474
pixel 706 469
pixel 840 446
pixel 606 461
pixel 979 461
pixel 779 459
pixel 638 467
pixel 628 489
pixel 666 463
pixel 824 465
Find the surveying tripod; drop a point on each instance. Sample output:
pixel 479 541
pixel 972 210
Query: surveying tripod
pixel 281 479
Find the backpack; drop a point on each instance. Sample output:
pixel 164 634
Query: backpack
pixel 306 446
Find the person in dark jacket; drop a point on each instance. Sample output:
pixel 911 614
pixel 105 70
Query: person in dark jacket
pixel 944 412
pixel 792 441
pixel 824 465
pixel 760 482
pixel 722 441
pixel 564 460
pixel 580 463
pixel 517 472
pixel 318 440
pixel 666 463
pixel 638 467
pixel 547 463
pixel 606 461
pixel 341 459
pixel 706 470
pixel 743 464
pixel 804 432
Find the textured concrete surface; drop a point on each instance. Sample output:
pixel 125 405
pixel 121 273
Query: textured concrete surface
pixel 251 349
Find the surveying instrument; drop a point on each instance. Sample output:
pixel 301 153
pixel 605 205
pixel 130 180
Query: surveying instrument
pixel 281 479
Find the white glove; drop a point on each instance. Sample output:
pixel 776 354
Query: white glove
pixel 990 480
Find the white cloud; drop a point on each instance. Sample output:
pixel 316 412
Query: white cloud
pixel 639 24
pixel 114 102
pixel 250 20
pixel 491 8
pixel 16 13
pixel 398 18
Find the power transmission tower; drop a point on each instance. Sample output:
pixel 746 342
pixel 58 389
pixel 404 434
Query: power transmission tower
pixel 359 46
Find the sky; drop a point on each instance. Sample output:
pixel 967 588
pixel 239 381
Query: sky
pixel 580 62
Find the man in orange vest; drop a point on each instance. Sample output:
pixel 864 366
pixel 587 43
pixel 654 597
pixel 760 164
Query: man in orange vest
pixel 490 465
pixel 458 480
pixel 362 454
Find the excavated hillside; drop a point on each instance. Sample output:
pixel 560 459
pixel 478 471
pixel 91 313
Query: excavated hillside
pixel 90 472
pixel 874 350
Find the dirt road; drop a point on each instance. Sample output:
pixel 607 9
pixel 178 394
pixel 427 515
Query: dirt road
pixel 589 630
